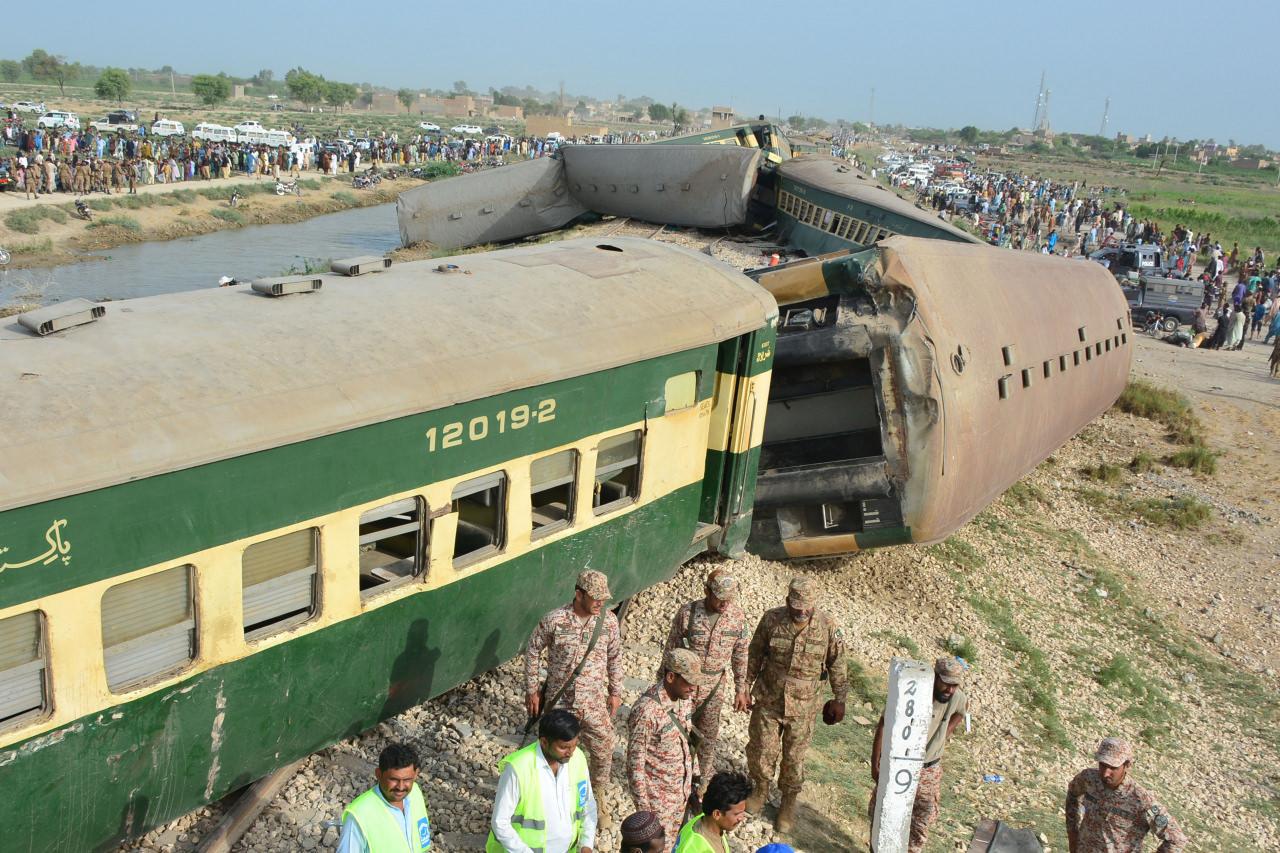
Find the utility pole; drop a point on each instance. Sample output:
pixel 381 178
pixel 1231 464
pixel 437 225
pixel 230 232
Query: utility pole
pixel 871 112
pixel 1035 119
pixel 1106 112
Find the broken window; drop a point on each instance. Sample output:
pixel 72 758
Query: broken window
pixel 552 484
pixel 279 577
pixel 24 686
pixel 392 544
pixel 481 507
pixel 617 472
pixel 148 627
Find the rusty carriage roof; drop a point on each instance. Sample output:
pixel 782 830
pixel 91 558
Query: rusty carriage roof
pixel 170 382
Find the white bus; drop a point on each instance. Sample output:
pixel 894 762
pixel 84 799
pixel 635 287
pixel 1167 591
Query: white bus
pixel 213 133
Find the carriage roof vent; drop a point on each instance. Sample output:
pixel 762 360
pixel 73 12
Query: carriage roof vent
pixel 361 265
pixel 61 315
pixel 287 284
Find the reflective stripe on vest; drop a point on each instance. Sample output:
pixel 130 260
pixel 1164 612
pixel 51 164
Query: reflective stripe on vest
pixel 530 819
pixel 691 841
pixel 382 831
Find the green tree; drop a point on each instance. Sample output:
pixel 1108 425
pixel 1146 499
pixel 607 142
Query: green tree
pixel 113 85
pixel 366 98
pixel 406 97
pixel 211 88
pixel 679 118
pixel 50 69
pixel 659 112
pixel 305 86
pixel 460 87
pixel 336 94
pixel 795 121
pixel 10 70
pixel 969 134
pixel 263 77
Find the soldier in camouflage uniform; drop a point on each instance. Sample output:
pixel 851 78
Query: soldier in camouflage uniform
pixel 792 649
pixel 1109 813
pixel 714 628
pixel 594 696
pixel 659 758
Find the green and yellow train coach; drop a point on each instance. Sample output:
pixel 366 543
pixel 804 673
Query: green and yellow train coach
pixel 234 529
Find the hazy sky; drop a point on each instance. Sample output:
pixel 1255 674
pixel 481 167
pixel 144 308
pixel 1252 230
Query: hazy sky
pixel 1177 68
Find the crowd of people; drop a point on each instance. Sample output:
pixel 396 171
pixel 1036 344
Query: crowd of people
pixel 550 793
pixel 86 161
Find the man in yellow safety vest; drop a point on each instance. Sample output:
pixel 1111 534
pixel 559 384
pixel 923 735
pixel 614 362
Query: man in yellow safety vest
pixel 724 806
pixel 390 817
pixel 545 803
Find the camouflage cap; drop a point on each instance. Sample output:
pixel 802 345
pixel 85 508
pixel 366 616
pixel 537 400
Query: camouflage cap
pixel 686 664
pixel 949 670
pixel 800 594
pixel 594 584
pixel 723 586
pixel 1114 751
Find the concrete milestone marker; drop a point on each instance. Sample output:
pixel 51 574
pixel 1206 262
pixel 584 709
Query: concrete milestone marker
pixel 907 713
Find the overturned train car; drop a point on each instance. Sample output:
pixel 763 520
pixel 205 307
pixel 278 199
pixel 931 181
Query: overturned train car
pixel 915 382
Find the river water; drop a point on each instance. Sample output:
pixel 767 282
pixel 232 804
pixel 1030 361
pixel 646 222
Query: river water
pixel 145 269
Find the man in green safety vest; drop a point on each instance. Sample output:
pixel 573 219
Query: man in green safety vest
pixel 545 803
pixel 724 806
pixel 390 817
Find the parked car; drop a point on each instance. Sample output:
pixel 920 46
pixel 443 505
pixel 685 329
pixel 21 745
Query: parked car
pixel 122 117
pixel 167 127
pixel 466 129
pixel 28 107
pixel 1131 260
pixel 429 126
pixel 1176 298
pixel 59 118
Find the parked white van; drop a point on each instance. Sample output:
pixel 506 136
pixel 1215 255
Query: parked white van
pixel 166 127
pixel 213 133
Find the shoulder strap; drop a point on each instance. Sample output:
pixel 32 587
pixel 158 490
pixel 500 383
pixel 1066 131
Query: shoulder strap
pixel 577 670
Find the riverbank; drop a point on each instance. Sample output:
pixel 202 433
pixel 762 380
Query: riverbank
pixel 49 234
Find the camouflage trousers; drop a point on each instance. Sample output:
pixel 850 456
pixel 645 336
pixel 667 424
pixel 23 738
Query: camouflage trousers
pixel 925 809
pixel 598 739
pixel 706 719
pixel 771 735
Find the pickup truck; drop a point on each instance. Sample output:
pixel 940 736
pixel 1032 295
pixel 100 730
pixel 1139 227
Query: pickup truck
pixel 1176 298
pixel 106 125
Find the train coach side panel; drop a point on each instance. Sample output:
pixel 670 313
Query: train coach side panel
pixel 1022 350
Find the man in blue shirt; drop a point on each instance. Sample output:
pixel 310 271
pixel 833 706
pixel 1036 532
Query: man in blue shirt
pixel 391 817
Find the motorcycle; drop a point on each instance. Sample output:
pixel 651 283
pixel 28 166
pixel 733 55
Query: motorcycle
pixel 83 210
pixel 288 187
pixel 361 182
pixel 4 256
pixel 234 201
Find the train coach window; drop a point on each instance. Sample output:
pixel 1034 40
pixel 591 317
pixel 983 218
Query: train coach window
pixel 617 472
pixel 553 483
pixel 279 577
pixel 681 391
pixel 392 544
pixel 148 627
pixel 24 687
pixel 481 505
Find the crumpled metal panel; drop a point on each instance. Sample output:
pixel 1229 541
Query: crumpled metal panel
pixel 700 186
pixel 488 207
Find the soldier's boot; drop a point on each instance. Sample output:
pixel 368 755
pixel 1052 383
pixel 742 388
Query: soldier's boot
pixel 759 794
pixel 786 813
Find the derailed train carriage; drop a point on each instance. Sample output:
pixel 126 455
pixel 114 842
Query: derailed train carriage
pixel 915 382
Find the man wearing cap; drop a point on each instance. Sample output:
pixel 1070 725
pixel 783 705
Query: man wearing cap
pixel 642 833
pixel 659 757
pixel 584 673
pixel 949 706
pixel 715 629
pixel 793 648
pixel 1109 813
